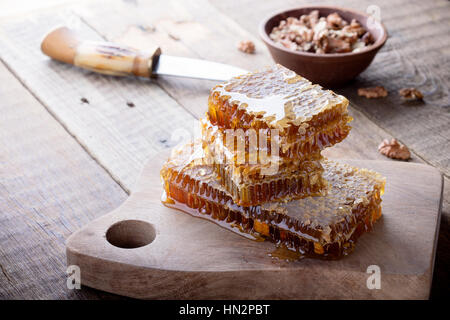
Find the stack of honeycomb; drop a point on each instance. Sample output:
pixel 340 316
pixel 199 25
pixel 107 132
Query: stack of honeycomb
pixel 258 169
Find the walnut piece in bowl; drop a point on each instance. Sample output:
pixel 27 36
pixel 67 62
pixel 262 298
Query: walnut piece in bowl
pixel 330 34
pixel 317 48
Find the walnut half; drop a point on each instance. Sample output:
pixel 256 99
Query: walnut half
pixel 246 46
pixel 393 149
pixel 411 94
pixel 373 92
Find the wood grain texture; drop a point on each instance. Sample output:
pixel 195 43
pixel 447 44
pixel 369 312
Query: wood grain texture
pixel 121 138
pixel 49 187
pixel 191 258
pixel 190 28
pixel 93 108
pixel 17 7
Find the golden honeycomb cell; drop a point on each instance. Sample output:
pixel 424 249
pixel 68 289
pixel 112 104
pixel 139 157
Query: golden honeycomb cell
pixel 307 117
pixel 322 227
pixel 252 183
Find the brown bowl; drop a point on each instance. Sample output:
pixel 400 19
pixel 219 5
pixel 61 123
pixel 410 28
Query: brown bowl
pixel 326 69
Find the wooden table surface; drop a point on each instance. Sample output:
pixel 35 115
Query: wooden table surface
pixel 71 148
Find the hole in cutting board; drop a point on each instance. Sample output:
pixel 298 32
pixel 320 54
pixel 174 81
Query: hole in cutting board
pixel 131 234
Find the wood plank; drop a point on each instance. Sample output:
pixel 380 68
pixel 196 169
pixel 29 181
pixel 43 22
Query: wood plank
pixel 189 258
pixel 16 7
pixel 121 138
pixel 180 29
pixel 49 187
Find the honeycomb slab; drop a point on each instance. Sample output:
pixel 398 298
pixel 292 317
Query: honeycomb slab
pixel 322 227
pixel 307 117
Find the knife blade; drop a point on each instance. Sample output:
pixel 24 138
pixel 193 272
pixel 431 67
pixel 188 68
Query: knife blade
pixel 115 59
pixel 195 68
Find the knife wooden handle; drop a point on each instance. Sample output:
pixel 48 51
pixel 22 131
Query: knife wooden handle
pixel 103 57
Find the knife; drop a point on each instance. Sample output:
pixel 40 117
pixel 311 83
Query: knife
pixel 64 45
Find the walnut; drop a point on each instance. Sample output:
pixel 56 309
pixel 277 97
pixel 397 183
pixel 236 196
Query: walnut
pixel 312 33
pixel 411 94
pixel 322 45
pixel 373 92
pixel 356 27
pixel 289 44
pixel 393 149
pixel 309 20
pixel 339 45
pixel 367 38
pixel 247 46
pixel 335 21
pixel 313 17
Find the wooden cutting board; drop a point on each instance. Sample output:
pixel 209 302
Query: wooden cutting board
pixel 191 258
